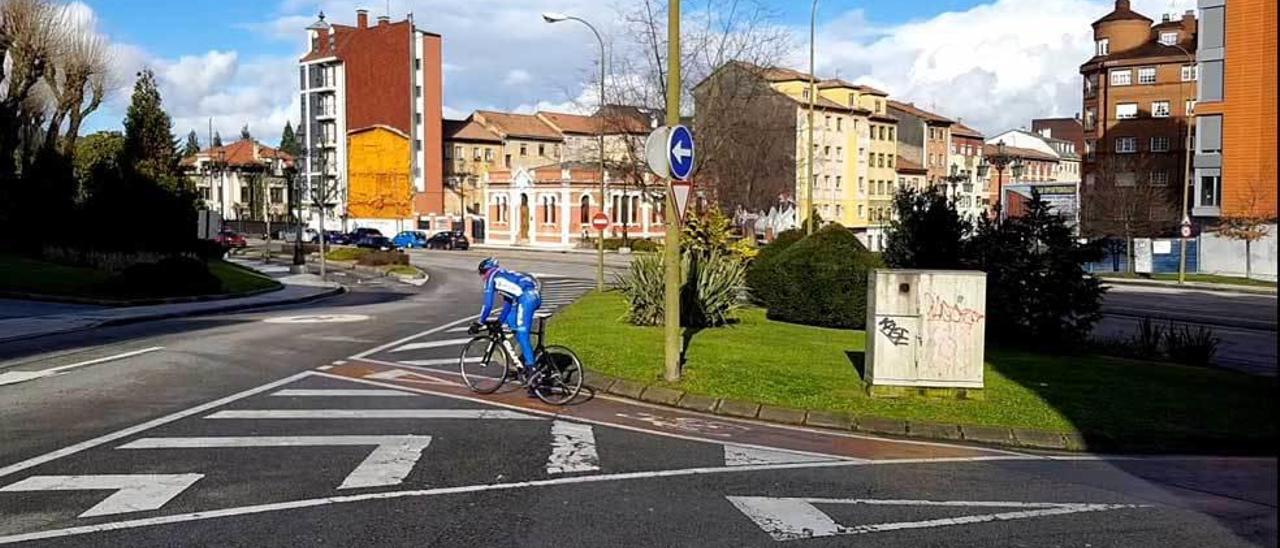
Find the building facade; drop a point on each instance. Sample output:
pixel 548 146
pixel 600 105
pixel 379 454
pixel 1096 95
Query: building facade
pixel 242 181
pixel 1139 92
pixel 970 191
pixel 471 151
pixel 371 99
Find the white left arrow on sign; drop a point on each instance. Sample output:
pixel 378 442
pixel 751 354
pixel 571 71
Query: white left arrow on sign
pixel 133 493
pixel 390 462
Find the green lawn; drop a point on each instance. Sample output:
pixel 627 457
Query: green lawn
pixel 1200 278
pixel 24 275
pixel 1132 404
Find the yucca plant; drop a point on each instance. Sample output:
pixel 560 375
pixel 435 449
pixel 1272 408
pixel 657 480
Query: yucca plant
pixel 1191 345
pixel 1148 340
pixel 642 284
pixel 711 291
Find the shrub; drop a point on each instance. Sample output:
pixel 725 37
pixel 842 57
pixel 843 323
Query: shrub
pixel 1149 339
pixel 613 244
pixel 761 278
pixel 1191 345
pixel 172 276
pixel 346 254
pixel 821 280
pixel 382 258
pixel 709 295
pixel 927 231
pixel 642 283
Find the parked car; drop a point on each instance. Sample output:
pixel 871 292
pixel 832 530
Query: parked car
pixel 448 239
pixel 333 237
pixel 291 234
pixel 230 239
pixel 410 239
pixel 381 243
pixel 359 233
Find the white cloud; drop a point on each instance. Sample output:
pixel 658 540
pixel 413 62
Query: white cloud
pixel 996 65
pixel 517 77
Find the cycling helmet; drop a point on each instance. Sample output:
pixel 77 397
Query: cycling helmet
pixel 487 264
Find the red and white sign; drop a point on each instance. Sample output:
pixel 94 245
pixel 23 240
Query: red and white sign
pixel 1186 231
pixel 681 191
pixel 600 221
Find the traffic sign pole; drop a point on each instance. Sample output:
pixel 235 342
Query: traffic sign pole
pixel 671 253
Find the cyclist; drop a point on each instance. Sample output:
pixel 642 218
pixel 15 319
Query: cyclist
pixel 519 291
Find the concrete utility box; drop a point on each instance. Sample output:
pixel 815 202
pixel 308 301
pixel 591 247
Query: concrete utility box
pixel 925 332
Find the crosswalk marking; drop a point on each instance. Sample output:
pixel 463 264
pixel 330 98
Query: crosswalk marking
pixel 340 392
pixel 573 448
pixel 431 344
pixel 391 460
pixel 741 455
pixel 440 361
pixel 133 492
pixel 468 414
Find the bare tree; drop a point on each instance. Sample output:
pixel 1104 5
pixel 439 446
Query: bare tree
pixel 1250 220
pixel 31 40
pixel 77 79
pixel 1124 203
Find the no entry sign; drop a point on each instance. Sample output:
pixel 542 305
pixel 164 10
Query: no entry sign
pixel 600 221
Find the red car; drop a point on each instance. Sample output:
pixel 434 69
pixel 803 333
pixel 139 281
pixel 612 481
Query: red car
pixel 230 240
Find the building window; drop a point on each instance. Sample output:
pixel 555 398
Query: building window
pixel 417 145
pixel 1169 38
pixel 417 91
pixel 542 149
pixel 1189 73
pixel 1102 47
pixel 584 210
pixel 1160 109
pixel 1189 107
pixel 839 124
pixel 1210 195
pixel 1159 178
pixel 1211 81
pixel 277 195
pixel 861 211
pixel 826 152
pixel 839 180
pixel 805 94
pixel 889 160
pixel 840 154
pixel 205 193
pixel 890 133
pixel 1121 77
pixel 1126 179
pixel 862 189
pixel 1090 118
pixel 417 64
pixel 1209 134
pixel 524 149
pixel 1126 145
pixel 1147 75
pixel 549 210
pixel 457 153
pixel 475 153
pixel 826 124
pixel 1212 27
pixel 488 154
pixel 507 161
pixel 417 118
pixel 1126 111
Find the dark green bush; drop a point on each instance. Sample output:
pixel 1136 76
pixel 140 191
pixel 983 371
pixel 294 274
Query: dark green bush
pixel 382 258
pixel 761 278
pixel 172 276
pixel 821 280
pixel 613 244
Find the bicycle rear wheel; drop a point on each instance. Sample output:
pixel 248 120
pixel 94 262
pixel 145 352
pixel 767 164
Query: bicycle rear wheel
pixel 560 374
pixel 484 365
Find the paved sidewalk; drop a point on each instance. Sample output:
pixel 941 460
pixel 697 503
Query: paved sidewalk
pixel 1203 286
pixel 54 320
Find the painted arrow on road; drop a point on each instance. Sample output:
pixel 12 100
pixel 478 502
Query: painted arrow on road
pixel 798 518
pixel 133 493
pixel 390 462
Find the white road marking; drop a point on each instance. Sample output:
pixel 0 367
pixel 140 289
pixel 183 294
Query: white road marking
pixel 319 318
pixel 325 367
pixel 438 361
pixel 14 377
pixel 459 329
pixel 470 414
pixel 133 493
pixel 403 340
pixel 431 344
pixel 798 518
pixel 340 392
pixel 391 460
pixel 73 449
pixel 573 448
pixel 741 455
pixel 409 376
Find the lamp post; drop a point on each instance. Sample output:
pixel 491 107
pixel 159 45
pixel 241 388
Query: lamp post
pixel 1186 173
pixel 813 92
pixel 1001 159
pixel 298 260
pixel 954 179
pixel 556 18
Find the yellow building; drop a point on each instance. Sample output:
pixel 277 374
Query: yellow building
pixel 380 185
pixel 854 152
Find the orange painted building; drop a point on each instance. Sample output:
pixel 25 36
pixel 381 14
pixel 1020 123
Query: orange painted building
pixel 1236 114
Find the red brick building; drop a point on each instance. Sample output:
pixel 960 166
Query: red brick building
pixel 371 96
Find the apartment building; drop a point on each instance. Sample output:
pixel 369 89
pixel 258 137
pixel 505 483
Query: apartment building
pixel 1139 92
pixel 371 100
pixel 242 181
pixel 971 193
pixel 471 151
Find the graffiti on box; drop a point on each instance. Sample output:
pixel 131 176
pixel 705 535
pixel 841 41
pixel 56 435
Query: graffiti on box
pixel 896 334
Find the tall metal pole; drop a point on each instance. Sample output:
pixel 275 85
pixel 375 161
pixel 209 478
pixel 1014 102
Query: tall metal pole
pixel 671 252
pixel 810 207
pixel 1186 171
pixel 600 136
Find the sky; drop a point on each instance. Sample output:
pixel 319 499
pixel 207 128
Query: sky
pixel 994 64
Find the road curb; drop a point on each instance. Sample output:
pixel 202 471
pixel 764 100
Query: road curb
pixel 990 436
pixel 1203 286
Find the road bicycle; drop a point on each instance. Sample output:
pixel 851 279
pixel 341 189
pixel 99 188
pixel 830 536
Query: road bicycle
pixel 490 359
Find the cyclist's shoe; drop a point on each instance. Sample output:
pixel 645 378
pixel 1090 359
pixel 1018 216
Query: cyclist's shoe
pixel 474 328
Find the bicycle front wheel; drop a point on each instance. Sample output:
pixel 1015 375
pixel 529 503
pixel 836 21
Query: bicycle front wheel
pixel 561 376
pixel 484 365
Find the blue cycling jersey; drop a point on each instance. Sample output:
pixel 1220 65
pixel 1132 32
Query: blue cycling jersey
pixel 511 285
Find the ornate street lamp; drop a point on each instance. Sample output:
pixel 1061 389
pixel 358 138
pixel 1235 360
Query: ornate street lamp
pixel 1000 160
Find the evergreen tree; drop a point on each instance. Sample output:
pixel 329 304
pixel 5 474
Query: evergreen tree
pixel 244 133
pixel 927 231
pixel 192 146
pixel 217 139
pixel 148 131
pixel 289 141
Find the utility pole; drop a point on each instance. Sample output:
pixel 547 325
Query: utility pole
pixel 671 251
pixel 1187 175
pixel 810 207
pixel 320 198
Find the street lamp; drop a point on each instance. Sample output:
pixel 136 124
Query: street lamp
pixel 1186 173
pixel 954 179
pixel 552 17
pixel 813 92
pixel 1000 160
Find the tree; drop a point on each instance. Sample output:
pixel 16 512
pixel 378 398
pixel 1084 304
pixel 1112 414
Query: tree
pixel 289 141
pixel 1249 222
pixel 1038 292
pixel 29 40
pixel 77 80
pixel 1124 203
pixel 217 140
pixel 244 133
pixel 192 145
pixel 927 231
pixel 148 132
pixel 97 159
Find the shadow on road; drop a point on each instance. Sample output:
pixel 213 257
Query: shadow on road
pixel 16 350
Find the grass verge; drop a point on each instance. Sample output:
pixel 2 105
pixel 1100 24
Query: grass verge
pixel 31 276
pixel 1199 278
pixel 1126 404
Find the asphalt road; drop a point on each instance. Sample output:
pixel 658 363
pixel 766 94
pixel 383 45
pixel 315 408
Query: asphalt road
pixel 307 425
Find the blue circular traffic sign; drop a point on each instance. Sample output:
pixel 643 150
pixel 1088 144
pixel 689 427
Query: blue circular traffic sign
pixel 680 152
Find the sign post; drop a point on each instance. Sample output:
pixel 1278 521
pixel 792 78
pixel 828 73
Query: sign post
pixel 671 252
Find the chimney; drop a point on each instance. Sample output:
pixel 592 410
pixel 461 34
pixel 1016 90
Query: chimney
pixel 1188 23
pixel 384 20
pixel 1122 5
pixel 362 18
